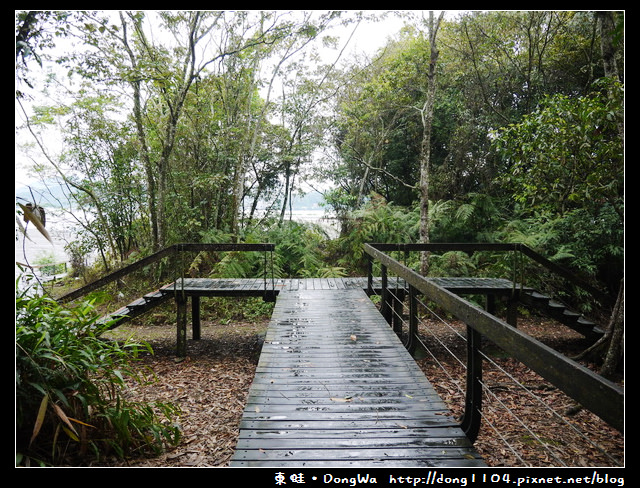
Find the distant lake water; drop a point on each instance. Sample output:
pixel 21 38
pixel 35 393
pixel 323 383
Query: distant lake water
pixel 37 249
pixel 326 222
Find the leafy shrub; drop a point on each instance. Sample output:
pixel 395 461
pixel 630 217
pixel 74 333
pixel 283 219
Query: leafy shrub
pixel 227 310
pixel 298 250
pixel 70 405
pixel 452 263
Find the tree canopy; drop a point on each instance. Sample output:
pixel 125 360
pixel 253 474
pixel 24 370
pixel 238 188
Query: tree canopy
pixel 202 126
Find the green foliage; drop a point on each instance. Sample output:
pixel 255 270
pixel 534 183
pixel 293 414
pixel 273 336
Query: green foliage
pixel 567 180
pixel 299 253
pixel 380 222
pixel 591 243
pixel 48 265
pixel 452 263
pixel 472 218
pixel 235 310
pixel 207 147
pixel 569 153
pixel 70 405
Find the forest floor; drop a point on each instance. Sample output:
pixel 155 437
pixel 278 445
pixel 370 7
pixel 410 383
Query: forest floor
pixel 211 386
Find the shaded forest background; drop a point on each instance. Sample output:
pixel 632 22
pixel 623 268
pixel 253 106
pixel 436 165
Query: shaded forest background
pixel 201 126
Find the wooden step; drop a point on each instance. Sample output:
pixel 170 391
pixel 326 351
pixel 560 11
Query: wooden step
pixel 561 313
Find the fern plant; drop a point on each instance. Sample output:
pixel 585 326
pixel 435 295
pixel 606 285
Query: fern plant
pixel 452 263
pixel 298 249
pixel 380 222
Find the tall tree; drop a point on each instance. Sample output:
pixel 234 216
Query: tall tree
pixel 611 346
pixel 426 114
pixel 173 83
pixel 610 26
pixel 161 71
pixel 377 129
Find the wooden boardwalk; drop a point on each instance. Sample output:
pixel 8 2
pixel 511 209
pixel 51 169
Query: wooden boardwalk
pixel 335 387
pixel 238 287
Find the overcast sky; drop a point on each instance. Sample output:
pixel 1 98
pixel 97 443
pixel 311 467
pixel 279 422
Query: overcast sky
pixel 369 37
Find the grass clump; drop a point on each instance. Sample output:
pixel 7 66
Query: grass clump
pixel 71 406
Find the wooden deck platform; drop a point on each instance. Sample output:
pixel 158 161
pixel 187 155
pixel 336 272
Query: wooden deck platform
pixel 335 387
pixel 257 286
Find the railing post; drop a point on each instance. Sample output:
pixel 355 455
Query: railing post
pixel 385 309
pixel 181 339
pixel 369 275
pixel 195 317
pixel 470 423
pixel 413 319
pixel 269 295
pixel 398 305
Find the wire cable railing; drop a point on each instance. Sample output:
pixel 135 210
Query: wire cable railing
pixel 495 407
pixel 477 384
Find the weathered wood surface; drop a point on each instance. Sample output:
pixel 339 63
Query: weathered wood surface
pixel 255 286
pixel 335 387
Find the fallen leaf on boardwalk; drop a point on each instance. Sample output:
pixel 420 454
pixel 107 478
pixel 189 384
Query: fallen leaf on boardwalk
pixel 354 337
pixel 223 365
pixel 347 399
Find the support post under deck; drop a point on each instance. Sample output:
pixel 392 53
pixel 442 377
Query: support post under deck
pixel 181 339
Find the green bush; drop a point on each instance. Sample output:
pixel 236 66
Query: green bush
pixel 300 251
pixel 70 406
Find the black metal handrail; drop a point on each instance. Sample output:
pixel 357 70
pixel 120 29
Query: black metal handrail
pixel 173 250
pixel 604 298
pixel 595 393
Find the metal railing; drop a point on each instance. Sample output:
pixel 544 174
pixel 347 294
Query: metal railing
pixel 517 272
pixel 171 251
pixel 595 393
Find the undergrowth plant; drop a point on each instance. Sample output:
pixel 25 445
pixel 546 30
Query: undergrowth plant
pixel 299 252
pixel 376 222
pixel 70 389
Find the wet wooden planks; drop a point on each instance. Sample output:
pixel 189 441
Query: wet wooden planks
pixel 257 286
pixel 232 287
pixel 335 387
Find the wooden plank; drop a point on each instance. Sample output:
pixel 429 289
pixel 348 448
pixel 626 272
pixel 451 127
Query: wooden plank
pixel 335 387
pixel 256 286
pixel 357 456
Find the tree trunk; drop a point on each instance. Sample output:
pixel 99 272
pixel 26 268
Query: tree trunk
pixel 609 348
pixel 237 196
pixel 425 157
pixel 615 351
pixel 606 28
pixel 615 332
pixel 142 140
pixel 287 191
